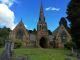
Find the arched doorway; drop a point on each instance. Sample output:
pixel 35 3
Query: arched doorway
pixel 43 42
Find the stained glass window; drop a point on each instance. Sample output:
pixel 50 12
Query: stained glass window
pixel 63 36
pixel 19 34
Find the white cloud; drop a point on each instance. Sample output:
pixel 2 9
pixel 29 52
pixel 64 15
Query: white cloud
pixel 7 2
pixel 48 8
pixel 52 9
pixel 25 26
pixel 6 16
pixel 55 9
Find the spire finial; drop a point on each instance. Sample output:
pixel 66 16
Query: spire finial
pixel 41 2
pixel 21 22
pixel 41 6
pixel 41 18
pixel 21 19
pixel 63 22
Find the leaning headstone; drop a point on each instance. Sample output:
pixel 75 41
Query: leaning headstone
pixel 8 50
pixel 78 56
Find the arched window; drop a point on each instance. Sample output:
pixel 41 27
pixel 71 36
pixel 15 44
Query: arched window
pixel 19 35
pixel 44 28
pixel 63 36
pixel 39 27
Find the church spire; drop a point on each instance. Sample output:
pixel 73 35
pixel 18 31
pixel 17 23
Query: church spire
pixel 41 18
pixel 21 22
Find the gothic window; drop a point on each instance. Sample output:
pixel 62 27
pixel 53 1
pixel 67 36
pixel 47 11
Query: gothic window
pixel 44 28
pixel 63 36
pixel 39 27
pixel 19 35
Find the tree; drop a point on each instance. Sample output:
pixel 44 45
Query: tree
pixel 73 16
pixel 34 31
pixel 30 31
pixel 50 33
pixel 17 43
pixel 1 42
pixel 70 45
pixel 4 34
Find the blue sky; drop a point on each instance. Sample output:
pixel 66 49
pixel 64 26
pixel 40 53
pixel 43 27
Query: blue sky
pixel 29 10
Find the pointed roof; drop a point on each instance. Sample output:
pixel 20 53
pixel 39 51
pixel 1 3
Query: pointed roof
pixel 20 25
pixel 60 29
pixel 41 18
pixel 21 22
pixel 63 22
pixel 41 7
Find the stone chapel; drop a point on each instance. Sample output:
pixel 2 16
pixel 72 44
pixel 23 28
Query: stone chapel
pixel 42 38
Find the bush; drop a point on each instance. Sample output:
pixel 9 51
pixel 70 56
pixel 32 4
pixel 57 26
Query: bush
pixel 69 45
pixel 1 42
pixel 17 43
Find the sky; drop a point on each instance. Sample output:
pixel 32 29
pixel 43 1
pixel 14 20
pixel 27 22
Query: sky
pixel 29 10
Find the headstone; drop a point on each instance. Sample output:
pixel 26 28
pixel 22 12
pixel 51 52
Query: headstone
pixel 8 50
pixel 78 56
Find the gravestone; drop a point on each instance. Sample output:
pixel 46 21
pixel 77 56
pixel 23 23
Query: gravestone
pixel 78 56
pixel 7 54
pixel 8 50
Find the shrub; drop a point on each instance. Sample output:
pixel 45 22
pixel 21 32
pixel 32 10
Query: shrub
pixel 17 43
pixel 1 42
pixel 69 45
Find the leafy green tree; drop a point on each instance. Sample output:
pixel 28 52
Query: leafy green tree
pixel 34 31
pixel 73 16
pixel 1 42
pixel 4 33
pixel 30 31
pixel 50 33
pixel 70 45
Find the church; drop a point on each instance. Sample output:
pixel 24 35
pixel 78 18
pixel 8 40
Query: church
pixel 42 38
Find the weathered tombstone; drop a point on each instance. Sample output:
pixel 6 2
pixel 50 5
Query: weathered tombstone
pixel 78 56
pixel 8 50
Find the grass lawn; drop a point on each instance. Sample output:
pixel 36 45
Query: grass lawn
pixel 42 54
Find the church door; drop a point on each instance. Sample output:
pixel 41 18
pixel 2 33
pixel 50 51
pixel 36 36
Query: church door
pixel 43 42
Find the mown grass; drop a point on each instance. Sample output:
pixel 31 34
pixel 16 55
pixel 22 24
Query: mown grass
pixel 42 54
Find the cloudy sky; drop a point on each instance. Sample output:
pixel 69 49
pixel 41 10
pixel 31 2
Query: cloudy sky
pixel 11 12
